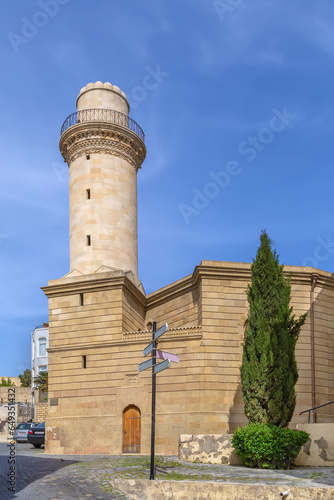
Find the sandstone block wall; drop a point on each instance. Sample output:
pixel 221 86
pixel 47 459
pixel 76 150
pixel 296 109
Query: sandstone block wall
pixel 104 96
pixel 108 216
pixel 41 412
pixel 15 380
pixel 94 356
pixel 22 395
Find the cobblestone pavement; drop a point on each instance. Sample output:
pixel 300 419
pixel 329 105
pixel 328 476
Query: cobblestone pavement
pixel 39 476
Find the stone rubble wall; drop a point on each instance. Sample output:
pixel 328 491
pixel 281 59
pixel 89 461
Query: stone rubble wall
pixel 207 449
pixel 319 450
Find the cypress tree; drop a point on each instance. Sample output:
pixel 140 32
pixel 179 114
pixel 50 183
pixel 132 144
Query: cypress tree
pixel 269 370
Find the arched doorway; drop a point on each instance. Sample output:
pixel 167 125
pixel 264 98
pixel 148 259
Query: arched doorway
pixel 131 429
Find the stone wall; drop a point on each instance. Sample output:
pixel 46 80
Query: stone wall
pixel 319 451
pixel 22 394
pixel 217 449
pixel 4 430
pixel 41 412
pixel 15 380
pixel 208 449
pixel 142 489
pixel 94 357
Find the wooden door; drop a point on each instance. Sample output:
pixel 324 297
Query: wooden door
pixel 131 429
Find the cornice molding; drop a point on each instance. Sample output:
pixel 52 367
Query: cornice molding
pixel 92 283
pixel 173 290
pixel 223 271
pixel 143 337
pixel 102 137
pixel 233 271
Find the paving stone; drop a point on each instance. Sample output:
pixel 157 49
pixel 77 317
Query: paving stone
pixel 50 477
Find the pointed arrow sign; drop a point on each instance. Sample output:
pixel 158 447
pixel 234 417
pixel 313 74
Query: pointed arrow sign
pixel 146 364
pixel 161 366
pixel 159 332
pixel 148 349
pixel 167 355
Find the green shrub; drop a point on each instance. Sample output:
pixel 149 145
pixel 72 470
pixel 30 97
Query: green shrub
pixel 267 446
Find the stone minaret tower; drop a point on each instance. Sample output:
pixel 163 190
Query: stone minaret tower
pixel 103 148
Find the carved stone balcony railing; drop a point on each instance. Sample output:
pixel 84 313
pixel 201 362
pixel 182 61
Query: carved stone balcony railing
pixel 102 115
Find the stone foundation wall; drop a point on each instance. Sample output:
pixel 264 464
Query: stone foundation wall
pixel 319 450
pixel 207 449
pixel 141 489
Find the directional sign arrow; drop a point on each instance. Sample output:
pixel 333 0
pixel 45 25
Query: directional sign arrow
pixel 161 366
pixel 148 349
pixel 159 332
pixel 146 364
pixel 167 355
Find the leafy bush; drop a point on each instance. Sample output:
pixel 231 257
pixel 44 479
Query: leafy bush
pixel 6 382
pixel 267 446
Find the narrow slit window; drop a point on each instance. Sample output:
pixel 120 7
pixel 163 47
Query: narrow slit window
pixel 88 240
pixel 81 299
pixel 87 157
pixel 88 194
pixel 84 361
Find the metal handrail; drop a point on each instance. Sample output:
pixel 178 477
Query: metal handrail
pixel 102 115
pixel 315 408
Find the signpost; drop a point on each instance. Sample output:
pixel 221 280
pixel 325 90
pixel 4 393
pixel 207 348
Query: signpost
pixel 156 368
pixel 167 355
pixel 161 366
pixel 146 364
pixel 159 332
pixel 148 349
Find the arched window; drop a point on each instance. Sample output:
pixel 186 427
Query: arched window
pixel 42 346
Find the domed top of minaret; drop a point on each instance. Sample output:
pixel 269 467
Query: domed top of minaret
pixel 103 96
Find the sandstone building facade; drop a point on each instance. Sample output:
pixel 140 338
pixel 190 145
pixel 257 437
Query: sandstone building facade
pixel 100 317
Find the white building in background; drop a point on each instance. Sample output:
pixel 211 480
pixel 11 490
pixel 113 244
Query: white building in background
pixel 39 355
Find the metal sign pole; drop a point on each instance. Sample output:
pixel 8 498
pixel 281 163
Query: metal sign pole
pixel 152 362
pixel 153 401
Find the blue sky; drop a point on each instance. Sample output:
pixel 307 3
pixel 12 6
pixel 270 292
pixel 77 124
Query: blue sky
pixel 238 131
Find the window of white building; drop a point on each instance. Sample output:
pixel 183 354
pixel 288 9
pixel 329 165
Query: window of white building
pixel 42 368
pixel 42 346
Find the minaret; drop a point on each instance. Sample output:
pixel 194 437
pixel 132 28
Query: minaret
pixel 103 148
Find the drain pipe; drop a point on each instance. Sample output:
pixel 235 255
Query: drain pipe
pixel 314 282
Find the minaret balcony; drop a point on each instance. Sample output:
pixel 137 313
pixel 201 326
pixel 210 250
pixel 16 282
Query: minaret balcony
pixel 102 115
pixel 96 131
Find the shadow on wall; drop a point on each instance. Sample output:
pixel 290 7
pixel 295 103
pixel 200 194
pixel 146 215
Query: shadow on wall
pixel 236 412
